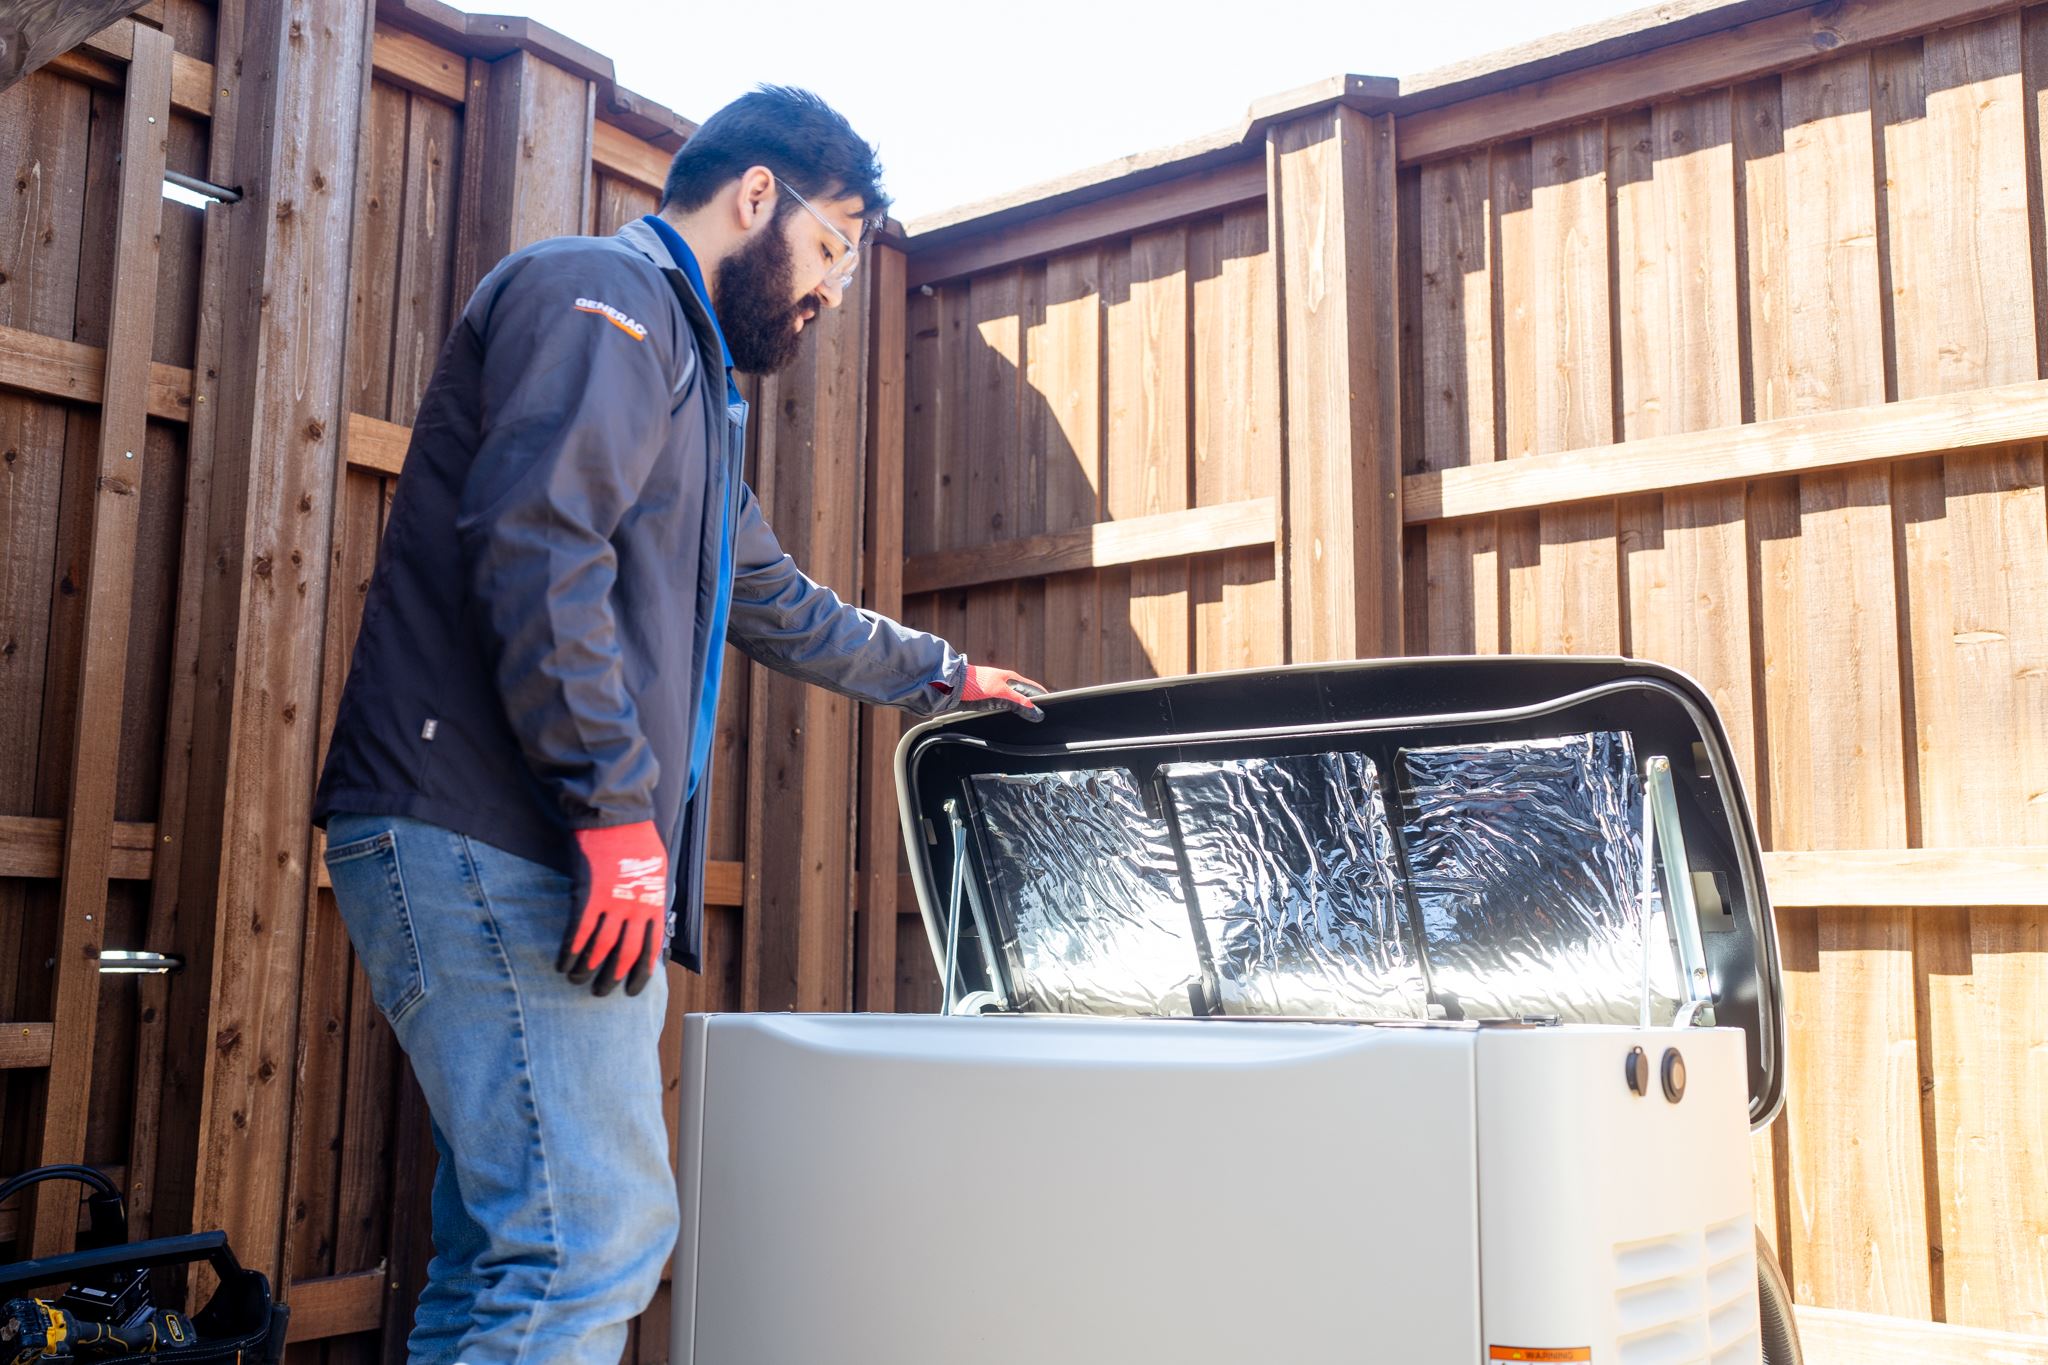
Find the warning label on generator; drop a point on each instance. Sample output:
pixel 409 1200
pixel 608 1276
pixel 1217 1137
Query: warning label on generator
pixel 1541 1353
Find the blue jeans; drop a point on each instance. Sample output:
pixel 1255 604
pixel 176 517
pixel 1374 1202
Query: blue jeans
pixel 554 1204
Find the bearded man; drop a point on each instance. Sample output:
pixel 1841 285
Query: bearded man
pixel 515 796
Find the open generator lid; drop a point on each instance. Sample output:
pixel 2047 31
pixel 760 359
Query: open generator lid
pixel 1456 842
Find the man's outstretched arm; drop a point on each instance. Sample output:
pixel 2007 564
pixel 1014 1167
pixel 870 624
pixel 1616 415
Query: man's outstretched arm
pixel 795 625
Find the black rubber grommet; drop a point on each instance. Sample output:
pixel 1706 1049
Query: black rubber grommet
pixel 1638 1071
pixel 1674 1076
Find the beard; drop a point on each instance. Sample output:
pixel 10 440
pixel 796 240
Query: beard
pixel 755 311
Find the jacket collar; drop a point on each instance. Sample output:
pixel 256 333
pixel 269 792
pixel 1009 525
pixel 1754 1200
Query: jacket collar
pixel 642 236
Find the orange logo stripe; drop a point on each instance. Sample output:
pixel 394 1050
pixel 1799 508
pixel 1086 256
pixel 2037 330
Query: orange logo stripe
pixel 640 335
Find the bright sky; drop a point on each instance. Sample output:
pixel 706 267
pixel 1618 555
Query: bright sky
pixel 970 100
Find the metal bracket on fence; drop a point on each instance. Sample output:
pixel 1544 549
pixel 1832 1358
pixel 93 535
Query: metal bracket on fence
pixel 121 962
pixel 204 189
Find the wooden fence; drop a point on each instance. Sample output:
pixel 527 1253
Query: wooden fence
pixel 174 624
pixel 1716 338
pixel 1718 341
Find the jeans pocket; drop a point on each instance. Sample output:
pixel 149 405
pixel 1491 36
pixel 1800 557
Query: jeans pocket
pixel 369 890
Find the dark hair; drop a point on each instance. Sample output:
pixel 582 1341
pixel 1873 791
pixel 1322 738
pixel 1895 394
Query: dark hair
pixel 794 134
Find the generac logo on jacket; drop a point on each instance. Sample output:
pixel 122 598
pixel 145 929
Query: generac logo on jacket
pixel 613 316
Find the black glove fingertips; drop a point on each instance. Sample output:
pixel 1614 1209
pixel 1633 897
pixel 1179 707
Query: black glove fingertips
pixel 610 974
pixel 580 967
pixel 643 968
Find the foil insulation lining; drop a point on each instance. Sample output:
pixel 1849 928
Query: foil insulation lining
pixel 1293 868
pixel 1280 882
pixel 1525 860
pixel 1086 894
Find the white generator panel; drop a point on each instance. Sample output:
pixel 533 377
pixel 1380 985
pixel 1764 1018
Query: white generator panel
pixel 897 1190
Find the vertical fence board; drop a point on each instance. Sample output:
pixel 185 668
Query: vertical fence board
pixel 288 405
pixel 1065 359
pixel 1457 336
pixel 43 145
pixel 1332 194
pixel 1975 561
pixel 379 246
pixel 1837 765
pixel 1155 461
pixel 108 591
pixel 1118 657
pixel 423 307
pixel 1577 581
pixel 882 580
pixel 988 505
pixel 1235 419
pixel 1689 600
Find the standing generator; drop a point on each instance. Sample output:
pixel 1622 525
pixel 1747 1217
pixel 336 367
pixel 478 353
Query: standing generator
pixel 1409 1011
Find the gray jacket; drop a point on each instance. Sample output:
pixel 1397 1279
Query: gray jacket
pixel 535 641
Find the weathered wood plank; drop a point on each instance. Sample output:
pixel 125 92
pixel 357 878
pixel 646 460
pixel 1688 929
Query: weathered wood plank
pixel 375 251
pixel 1577 583
pixel 313 1176
pixel 424 307
pixel 1333 192
pixel 882 578
pixel 1835 1337
pixel 191 79
pixel 1236 428
pixel 1457 333
pixel 1138 540
pixel 1954 877
pixel 1064 355
pixel 412 61
pixel 34 847
pixel 1117 655
pixel 1852 1004
pixel 45 145
pixel 527 158
pixel 1682 371
pixel 25 1046
pixel 115 512
pixel 282 395
pixel 987 504
pixel 375 446
pixel 1837 764
pixel 1194 196
pixel 1981 419
pixel 335 1306
pixel 1769 510
pixel 614 150
pixel 1974 538
pixel 33 363
pixel 1780 43
pixel 166 1086
pixel 1149 434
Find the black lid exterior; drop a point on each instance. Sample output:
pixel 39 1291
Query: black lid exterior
pixel 1385 710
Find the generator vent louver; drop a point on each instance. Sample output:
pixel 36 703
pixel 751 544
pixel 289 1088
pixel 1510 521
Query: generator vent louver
pixel 1689 1298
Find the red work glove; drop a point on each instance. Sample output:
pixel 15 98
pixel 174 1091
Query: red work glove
pixel 998 689
pixel 621 902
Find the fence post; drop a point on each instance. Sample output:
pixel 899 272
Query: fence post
pixel 882 585
pixel 299 90
pixel 526 172
pixel 1330 178
pixel 51 1220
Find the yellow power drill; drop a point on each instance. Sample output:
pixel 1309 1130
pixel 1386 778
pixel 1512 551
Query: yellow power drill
pixel 42 1329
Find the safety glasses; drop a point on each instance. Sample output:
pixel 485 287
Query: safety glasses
pixel 839 274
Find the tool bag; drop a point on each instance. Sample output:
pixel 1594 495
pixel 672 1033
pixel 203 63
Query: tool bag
pixel 108 1313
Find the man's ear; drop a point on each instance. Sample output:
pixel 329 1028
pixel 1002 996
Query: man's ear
pixel 754 198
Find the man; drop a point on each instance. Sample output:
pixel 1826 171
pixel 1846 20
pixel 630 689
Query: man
pixel 515 794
